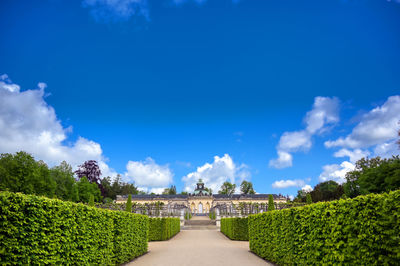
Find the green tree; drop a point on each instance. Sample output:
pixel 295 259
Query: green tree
pixel 227 188
pixel 308 198
pixel 184 193
pixel 271 205
pixel 91 200
pixel 75 193
pixel 128 207
pixel 373 175
pixel 64 178
pixel 117 187
pixel 326 191
pixel 247 188
pixel 86 189
pixel 170 191
pixel 20 172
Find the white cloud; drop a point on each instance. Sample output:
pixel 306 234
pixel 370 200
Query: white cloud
pixel 325 112
pixel 28 123
pixel 216 173
pixel 284 160
pixel 307 188
pixel 354 155
pixel 336 172
pixel 288 183
pixel 116 10
pixel 376 127
pixel 148 174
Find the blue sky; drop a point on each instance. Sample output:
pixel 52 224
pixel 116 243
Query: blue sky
pixel 282 93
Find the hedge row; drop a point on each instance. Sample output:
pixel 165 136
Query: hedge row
pixel 235 228
pixel 360 231
pixel 38 230
pixel 163 228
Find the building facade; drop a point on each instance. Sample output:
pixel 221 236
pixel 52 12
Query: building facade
pixel 201 201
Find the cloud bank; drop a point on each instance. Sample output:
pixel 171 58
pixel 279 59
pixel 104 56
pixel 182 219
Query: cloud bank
pixel 216 173
pixel 325 112
pixel 148 175
pixel 375 135
pixel 28 123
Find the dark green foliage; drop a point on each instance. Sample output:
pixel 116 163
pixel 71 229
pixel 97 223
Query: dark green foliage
pixel 38 230
pixel 21 173
pixel 308 198
pixel 227 188
pixel 64 178
pixel 128 207
pixel 163 228
pixel 235 228
pixel 360 231
pixel 271 205
pixel 373 175
pixel 170 191
pixel 247 187
pixel 117 187
pixel 327 191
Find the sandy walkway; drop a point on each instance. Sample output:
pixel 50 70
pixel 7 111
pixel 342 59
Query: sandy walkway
pixel 198 247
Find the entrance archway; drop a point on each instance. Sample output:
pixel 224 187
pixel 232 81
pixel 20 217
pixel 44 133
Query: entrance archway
pixel 200 207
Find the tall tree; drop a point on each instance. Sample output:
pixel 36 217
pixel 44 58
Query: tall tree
pixel 326 191
pixel 227 188
pixel 247 187
pixel 308 198
pixel 271 205
pixel 128 207
pixel 170 191
pixel 64 178
pixel 91 170
pixel 373 175
pixel 20 172
pixel 85 189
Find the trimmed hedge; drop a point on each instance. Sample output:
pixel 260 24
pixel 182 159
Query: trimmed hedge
pixel 360 231
pixel 39 230
pixel 163 228
pixel 235 228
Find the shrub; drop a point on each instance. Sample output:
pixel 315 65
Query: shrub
pixel 128 206
pixel 163 228
pixel 360 231
pixel 38 230
pixel 235 228
pixel 271 205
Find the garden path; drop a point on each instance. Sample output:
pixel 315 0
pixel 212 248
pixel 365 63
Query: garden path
pixel 198 248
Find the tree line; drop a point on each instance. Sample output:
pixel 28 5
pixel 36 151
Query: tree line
pixel 371 175
pixel 20 172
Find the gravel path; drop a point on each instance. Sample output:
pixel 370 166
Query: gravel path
pixel 198 247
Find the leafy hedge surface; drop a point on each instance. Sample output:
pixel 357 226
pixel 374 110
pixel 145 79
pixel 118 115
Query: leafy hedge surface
pixel 360 231
pixel 38 230
pixel 163 228
pixel 235 228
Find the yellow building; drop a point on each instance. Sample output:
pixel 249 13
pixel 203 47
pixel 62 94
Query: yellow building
pixel 201 202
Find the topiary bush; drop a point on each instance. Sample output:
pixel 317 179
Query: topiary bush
pixel 38 230
pixel 360 231
pixel 235 228
pixel 163 228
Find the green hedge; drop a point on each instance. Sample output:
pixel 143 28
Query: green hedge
pixel 235 228
pixel 38 230
pixel 360 231
pixel 163 228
